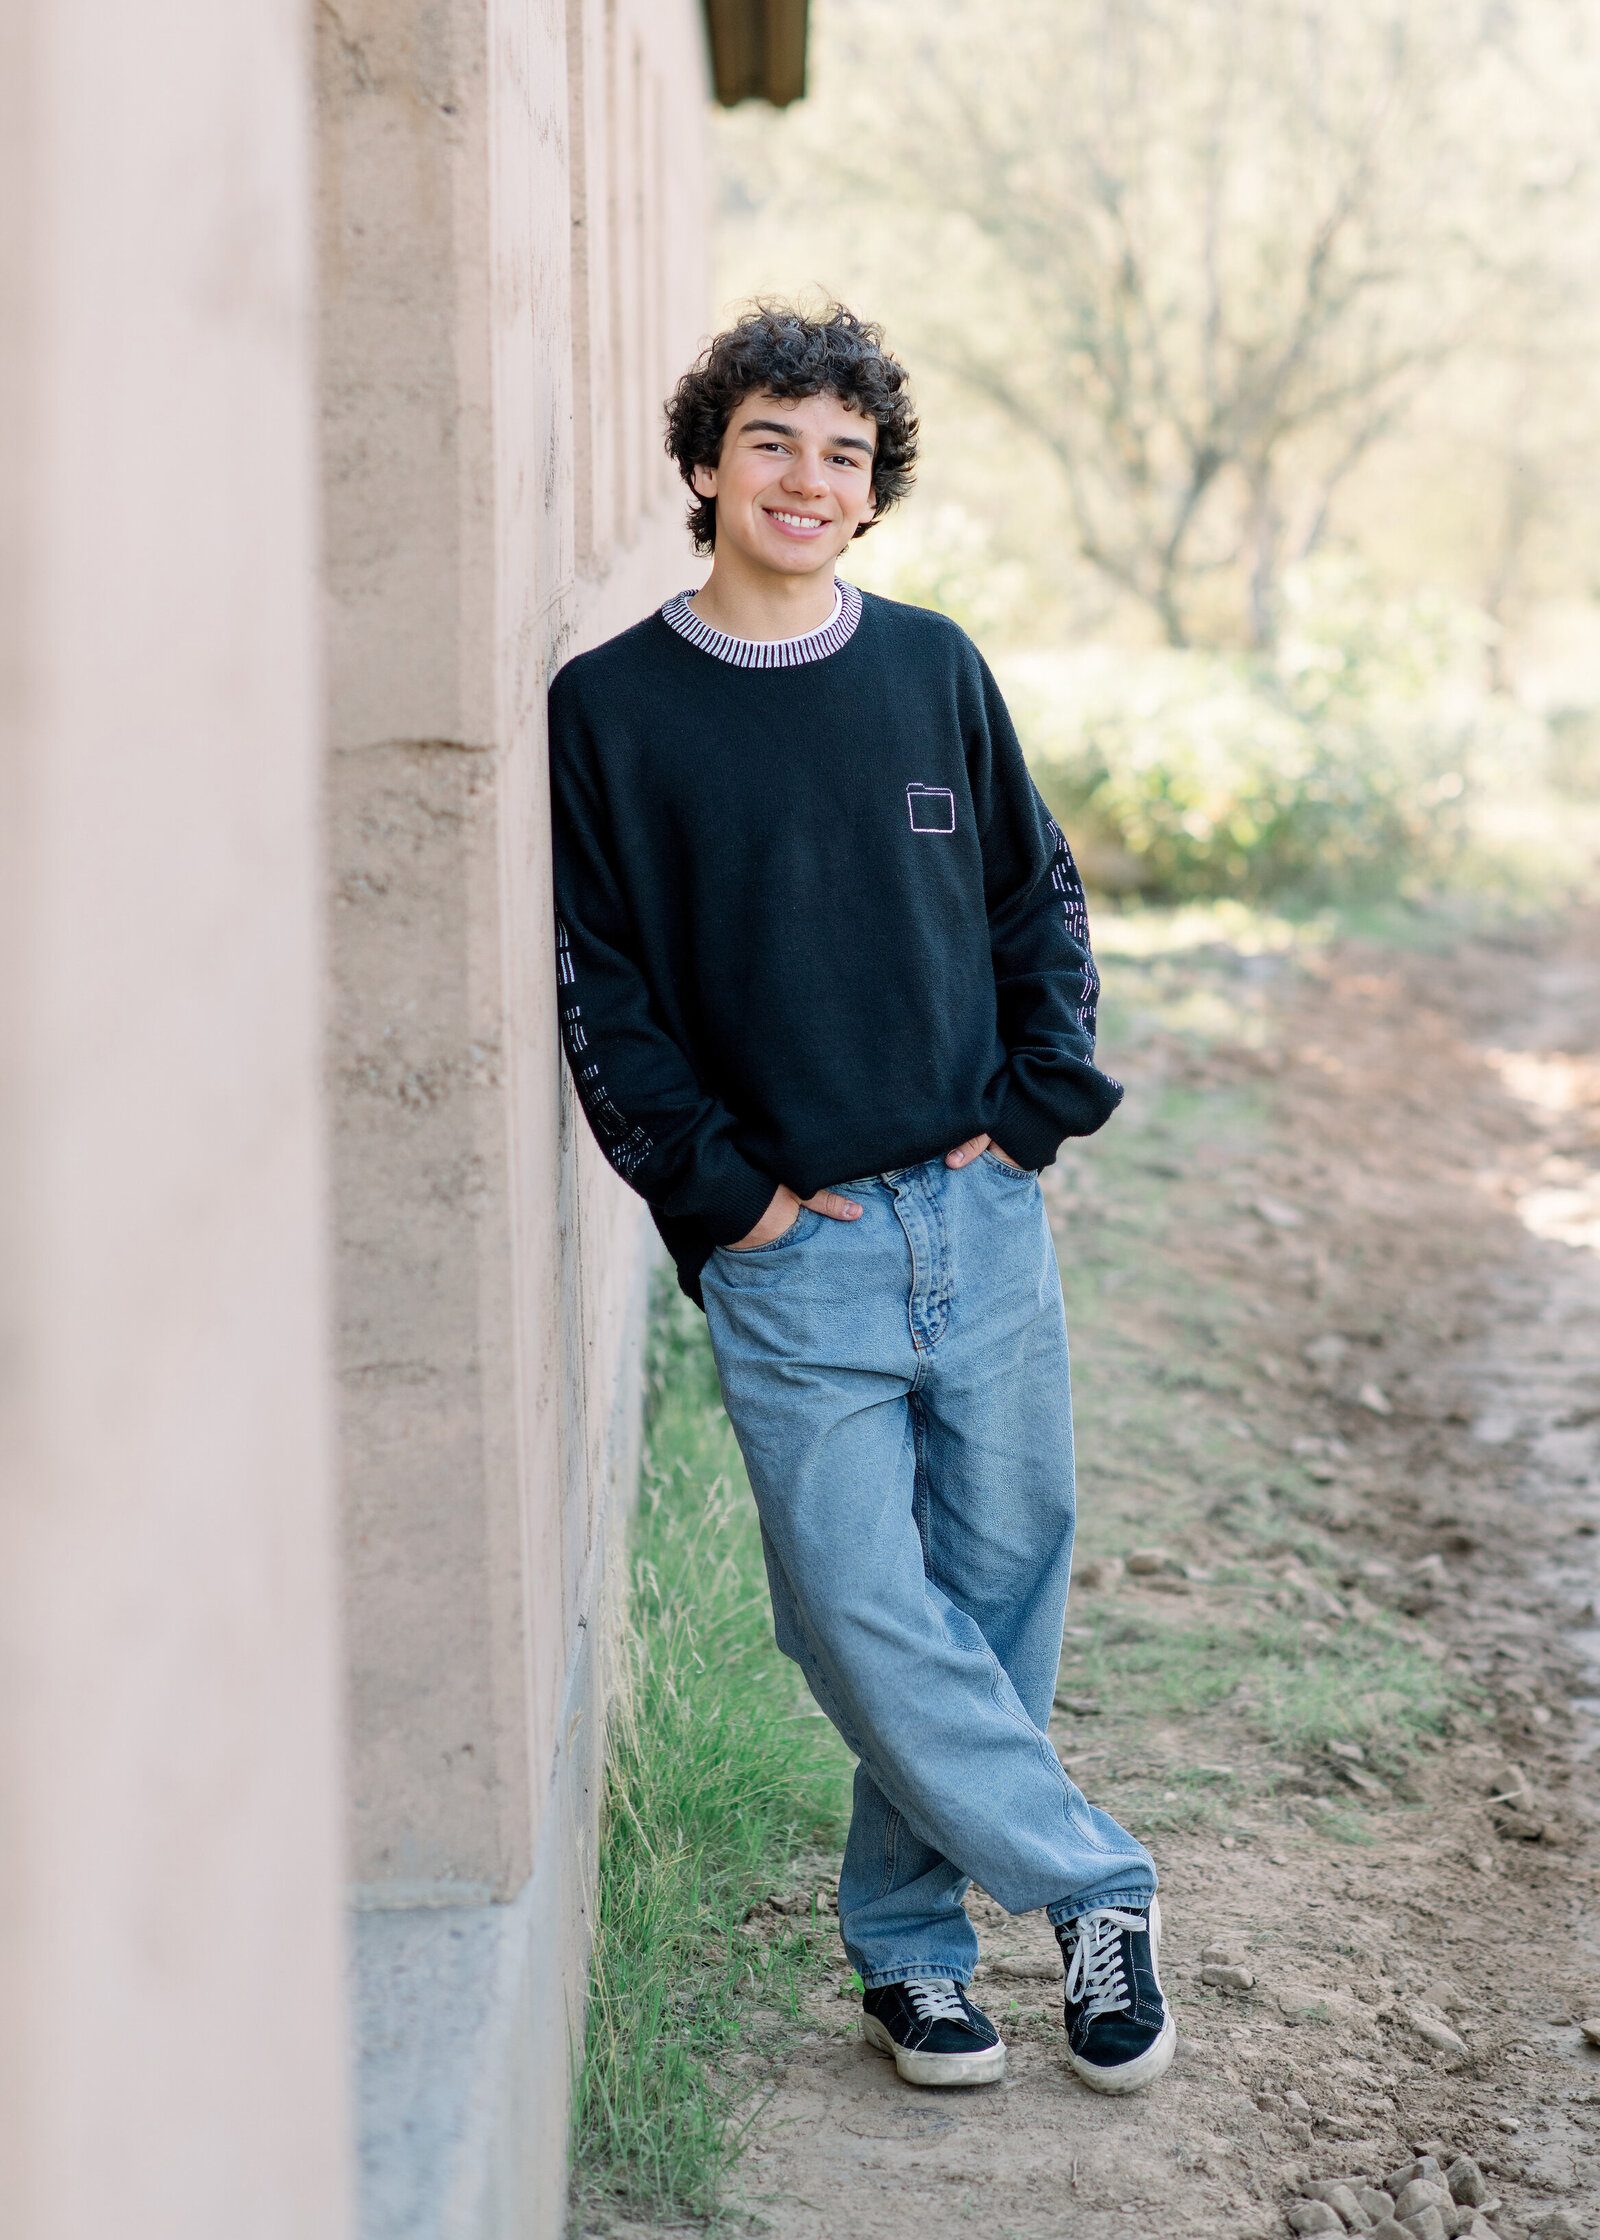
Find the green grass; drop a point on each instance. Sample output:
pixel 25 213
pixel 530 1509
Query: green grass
pixel 717 1779
pixel 1365 1685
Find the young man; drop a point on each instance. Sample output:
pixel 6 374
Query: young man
pixel 828 999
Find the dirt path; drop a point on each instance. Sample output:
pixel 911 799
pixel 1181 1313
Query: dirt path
pixel 1334 1280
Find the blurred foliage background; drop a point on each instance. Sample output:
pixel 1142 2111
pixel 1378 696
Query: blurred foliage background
pixel 1255 345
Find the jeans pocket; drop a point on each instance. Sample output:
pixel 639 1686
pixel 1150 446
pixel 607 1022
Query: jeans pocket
pixel 1004 1166
pixel 790 1236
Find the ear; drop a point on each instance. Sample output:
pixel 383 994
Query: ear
pixel 705 482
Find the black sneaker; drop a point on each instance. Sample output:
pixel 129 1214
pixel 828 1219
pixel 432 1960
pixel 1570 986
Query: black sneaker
pixel 1120 2031
pixel 934 2033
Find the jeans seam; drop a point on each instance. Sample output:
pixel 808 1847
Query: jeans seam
pixel 911 1295
pixel 919 1479
pixel 891 1849
pixel 1068 1909
pixel 900 1970
pixel 946 1288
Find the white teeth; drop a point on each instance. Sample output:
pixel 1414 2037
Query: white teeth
pixel 797 520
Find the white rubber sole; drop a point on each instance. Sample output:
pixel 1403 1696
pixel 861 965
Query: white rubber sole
pixel 1156 2060
pixel 987 2067
pixel 1131 2076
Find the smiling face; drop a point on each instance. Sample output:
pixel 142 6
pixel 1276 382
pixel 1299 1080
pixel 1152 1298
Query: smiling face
pixel 793 484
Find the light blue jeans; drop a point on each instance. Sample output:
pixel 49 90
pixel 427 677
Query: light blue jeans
pixel 900 1393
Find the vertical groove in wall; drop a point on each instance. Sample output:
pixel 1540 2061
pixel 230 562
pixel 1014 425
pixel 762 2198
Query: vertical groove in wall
pixel 615 274
pixel 662 477
pixel 582 290
pixel 640 357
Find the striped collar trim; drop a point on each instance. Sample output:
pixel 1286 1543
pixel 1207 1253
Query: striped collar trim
pixel 768 653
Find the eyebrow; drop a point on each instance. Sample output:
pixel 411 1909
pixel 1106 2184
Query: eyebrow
pixel 785 428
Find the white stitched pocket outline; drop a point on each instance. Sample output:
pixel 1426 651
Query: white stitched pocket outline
pixel 931 808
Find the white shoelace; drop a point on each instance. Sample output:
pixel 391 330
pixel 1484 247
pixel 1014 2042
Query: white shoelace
pixel 1095 1974
pixel 935 2000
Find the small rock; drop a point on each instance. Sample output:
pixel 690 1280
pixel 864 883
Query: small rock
pixel 1296 2104
pixel 1314 2216
pixel 1350 2210
pixel 1222 1956
pixel 1437 2034
pixel 1365 1784
pixel 1590 2026
pixel 1144 1563
pixel 1509 1785
pixel 1422 2166
pixel 1081 1707
pixel 1300 2002
pixel 1466 2182
pixel 1374 1397
pixel 1026 1967
pixel 1559 2224
pixel 1422 2193
pixel 1426 2224
pixel 1277 1215
pixel 1325 1352
pixel 1324 2189
pixel 1167 1582
pixel 1387 2229
pixel 1228 1979
pixel 1521 1827
pixel 1316 1597
pixel 1103 1571
pixel 1376 2202
pixel 1352 1752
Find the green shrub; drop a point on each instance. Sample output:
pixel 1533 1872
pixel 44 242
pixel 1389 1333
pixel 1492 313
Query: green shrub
pixel 1342 765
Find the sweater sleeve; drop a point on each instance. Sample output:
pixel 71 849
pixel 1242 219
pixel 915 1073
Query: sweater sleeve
pixel 1046 985
pixel 656 1124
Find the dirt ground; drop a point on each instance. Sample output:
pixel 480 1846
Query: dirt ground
pixel 1334 1281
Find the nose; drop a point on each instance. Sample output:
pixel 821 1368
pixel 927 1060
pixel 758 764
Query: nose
pixel 805 477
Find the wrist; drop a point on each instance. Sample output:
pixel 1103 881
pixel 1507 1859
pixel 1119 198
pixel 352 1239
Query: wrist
pixel 782 1211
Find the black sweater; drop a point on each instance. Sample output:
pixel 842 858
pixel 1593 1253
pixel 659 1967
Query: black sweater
pixel 813 922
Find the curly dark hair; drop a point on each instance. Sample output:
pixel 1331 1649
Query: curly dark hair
pixel 779 351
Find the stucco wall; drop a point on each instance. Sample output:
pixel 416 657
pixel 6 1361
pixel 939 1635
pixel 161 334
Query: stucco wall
pixel 172 2062
pixel 514 260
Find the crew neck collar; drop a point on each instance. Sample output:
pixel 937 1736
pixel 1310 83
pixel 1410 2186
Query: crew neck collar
pixel 768 653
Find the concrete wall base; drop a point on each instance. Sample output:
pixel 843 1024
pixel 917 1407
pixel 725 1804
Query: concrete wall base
pixel 469 2018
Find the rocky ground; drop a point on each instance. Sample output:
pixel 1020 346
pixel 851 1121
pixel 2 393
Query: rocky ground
pixel 1334 1281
